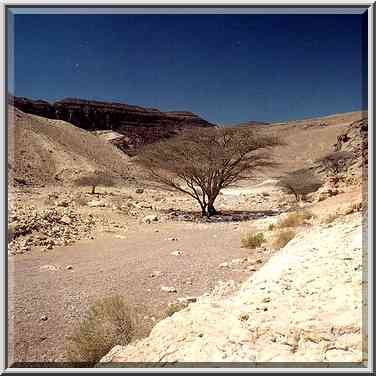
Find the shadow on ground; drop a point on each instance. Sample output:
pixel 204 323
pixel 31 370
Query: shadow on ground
pixel 223 216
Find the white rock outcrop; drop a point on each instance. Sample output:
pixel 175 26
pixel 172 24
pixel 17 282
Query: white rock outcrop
pixel 304 305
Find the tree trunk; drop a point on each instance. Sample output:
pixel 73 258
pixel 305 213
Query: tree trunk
pixel 211 210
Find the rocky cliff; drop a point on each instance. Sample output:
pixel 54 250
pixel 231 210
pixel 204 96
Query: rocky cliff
pixel 138 125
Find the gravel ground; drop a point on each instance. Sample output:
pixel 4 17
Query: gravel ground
pixel 46 300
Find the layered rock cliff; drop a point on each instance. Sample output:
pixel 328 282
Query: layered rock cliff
pixel 138 125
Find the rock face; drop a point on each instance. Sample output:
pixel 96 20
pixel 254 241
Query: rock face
pixel 355 141
pixel 304 305
pixel 137 125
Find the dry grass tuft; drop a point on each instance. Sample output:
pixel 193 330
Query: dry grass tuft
pixel 282 238
pixel 107 323
pixel 252 240
pixel 295 219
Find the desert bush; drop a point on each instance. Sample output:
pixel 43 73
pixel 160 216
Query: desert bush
pixel 107 323
pixel 97 178
pixel 271 227
pixel 252 240
pixel 336 162
pixel 201 162
pixel 282 238
pixel 300 183
pixel 173 308
pixel 295 219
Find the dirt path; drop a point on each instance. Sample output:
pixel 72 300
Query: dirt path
pixel 40 284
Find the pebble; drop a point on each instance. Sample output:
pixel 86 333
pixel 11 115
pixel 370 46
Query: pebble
pixel 224 265
pixel 168 289
pixel 177 253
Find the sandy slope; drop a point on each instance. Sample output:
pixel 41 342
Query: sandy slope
pixel 45 151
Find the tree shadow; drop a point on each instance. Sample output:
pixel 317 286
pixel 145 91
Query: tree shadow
pixel 223 216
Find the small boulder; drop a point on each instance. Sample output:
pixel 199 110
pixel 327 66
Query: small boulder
pixel 150 218
pixel 168 289
pixel 224 265
pixel 139 190
pixel 96 204
pixel 177 253
pixel 65 219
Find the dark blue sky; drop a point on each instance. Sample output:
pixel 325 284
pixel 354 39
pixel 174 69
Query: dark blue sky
pixel 226 68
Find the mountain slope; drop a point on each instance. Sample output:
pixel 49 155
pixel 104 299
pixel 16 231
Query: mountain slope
pixel 44 151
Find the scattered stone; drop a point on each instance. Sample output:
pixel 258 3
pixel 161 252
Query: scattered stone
pixel 168 289
pixel 224 265
pixel 66 219
pixel 151 218
pixel 62 203
pixel 188 299
pixel 51 268
pixel 177 253
pixel 156 273
pixel 239 260
pixel 96 204
pixel 44 318
pixel 69 267
pixel 172 239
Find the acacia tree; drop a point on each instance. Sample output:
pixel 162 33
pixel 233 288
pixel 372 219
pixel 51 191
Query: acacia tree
pixel 300 183
pixel 97 178
pixel 201 162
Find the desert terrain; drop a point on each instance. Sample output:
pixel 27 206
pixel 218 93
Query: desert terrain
pixel 69 247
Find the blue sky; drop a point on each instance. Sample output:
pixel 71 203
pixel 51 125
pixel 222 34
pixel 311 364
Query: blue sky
pixel 226 68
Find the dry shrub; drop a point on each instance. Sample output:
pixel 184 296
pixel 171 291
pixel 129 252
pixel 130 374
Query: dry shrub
pixel 282 238
pixel 271 227
pixel 295 219
pixel 107 323
pixel 173 308
pixel 252 240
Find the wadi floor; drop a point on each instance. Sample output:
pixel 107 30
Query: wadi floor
pixel 131 255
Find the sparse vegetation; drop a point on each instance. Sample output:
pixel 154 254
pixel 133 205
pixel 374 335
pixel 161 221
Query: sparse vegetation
pixel 201 162
pixel 300 183
pixel 295 219
pixel 108 322
pixel 282 237
pixel 336 162
pixel 271 227
pixel 173 308
pixel 97 178
pixel 252 240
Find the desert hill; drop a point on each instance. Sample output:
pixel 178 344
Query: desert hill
pixel 46 151
pixel 308 140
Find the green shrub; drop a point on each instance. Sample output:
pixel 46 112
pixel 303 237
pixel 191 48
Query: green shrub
pixel 282 238
pixel 107 323
pixel 252 240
